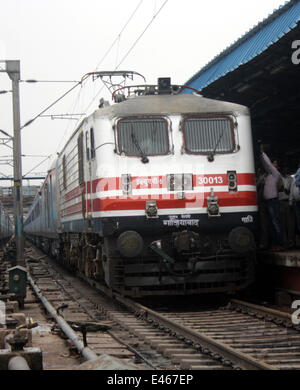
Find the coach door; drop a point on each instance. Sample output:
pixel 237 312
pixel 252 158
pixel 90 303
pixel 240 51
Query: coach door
pixel 83 188
pixel 90 154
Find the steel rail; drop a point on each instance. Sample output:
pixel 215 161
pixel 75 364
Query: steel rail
pixel 236 358
pixel 262 310
pixel 129 347
pixel 217 348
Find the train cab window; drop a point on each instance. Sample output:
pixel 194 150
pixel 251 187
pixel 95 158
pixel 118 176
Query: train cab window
pixel 147 136
pixel 205 135
pixel 92 142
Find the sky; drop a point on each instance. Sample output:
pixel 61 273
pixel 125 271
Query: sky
pixel 61 40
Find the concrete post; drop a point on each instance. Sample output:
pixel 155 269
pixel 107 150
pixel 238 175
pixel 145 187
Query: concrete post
pixel 13 70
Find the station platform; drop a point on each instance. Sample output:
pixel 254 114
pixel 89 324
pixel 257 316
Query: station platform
pixel 281 270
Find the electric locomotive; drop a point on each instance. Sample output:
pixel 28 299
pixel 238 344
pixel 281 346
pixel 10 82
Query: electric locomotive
pixel 155 194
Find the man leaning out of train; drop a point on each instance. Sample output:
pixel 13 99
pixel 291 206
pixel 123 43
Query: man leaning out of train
pixel 295 196
pixel 287 211
pixel 270 194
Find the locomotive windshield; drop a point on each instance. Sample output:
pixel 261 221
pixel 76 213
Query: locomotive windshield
pixel 143 136
pixel 208 135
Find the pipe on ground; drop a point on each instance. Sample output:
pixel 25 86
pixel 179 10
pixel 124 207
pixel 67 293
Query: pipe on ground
pixel 18 363
pixel 86 352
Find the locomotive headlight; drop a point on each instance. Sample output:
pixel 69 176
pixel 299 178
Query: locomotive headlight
pixel 188 182
pixel 130 244
pixel 180 182
pixel 151 209
pixel 241 240
pixel 213 209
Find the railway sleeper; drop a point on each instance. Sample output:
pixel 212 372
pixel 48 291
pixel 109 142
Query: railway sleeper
pixel 168 352
pixel 161 343
pixel 277 355
pixel 186 364
pixel 177 358
pixel 185 354
pixel 263 344
pixel 269 351
pixel 200 367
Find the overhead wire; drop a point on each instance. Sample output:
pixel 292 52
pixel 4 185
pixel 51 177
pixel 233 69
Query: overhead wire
pixel 51 105
pixel 4 175
pixel 120 33
pixel 56 101
pixel 80 82
pixel 129 51
pixel 73 108
pixel 143 32
pixel 38 165
pixel 102 59
pixel 76 101
pixel 26 155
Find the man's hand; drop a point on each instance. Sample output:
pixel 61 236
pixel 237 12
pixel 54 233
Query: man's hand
pixel 262 149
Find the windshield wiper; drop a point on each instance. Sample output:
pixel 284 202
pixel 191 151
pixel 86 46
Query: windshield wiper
pixel 213 153
pixel 145 159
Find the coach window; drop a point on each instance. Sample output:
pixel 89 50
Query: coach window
pixel 87 145
pixel 92 142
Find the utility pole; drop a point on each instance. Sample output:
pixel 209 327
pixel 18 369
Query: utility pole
pixel 13 71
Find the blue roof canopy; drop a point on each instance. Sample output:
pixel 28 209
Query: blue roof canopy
pixel 249 46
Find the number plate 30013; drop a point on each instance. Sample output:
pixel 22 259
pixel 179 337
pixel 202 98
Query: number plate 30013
pixel 210 180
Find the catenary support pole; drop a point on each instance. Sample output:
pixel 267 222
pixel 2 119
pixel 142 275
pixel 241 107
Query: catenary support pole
pixel 13 70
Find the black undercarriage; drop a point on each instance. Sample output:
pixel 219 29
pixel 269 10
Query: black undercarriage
pixel 177 260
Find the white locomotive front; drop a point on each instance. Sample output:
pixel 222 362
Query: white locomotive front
pixel 156 194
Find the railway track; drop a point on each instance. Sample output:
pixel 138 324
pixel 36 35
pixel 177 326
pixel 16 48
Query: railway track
pixel 79 304
pixel 238 336
pixel 247 336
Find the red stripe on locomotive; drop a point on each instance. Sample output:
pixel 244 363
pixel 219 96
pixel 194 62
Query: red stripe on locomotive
pixel 243 198
pixel 115 183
